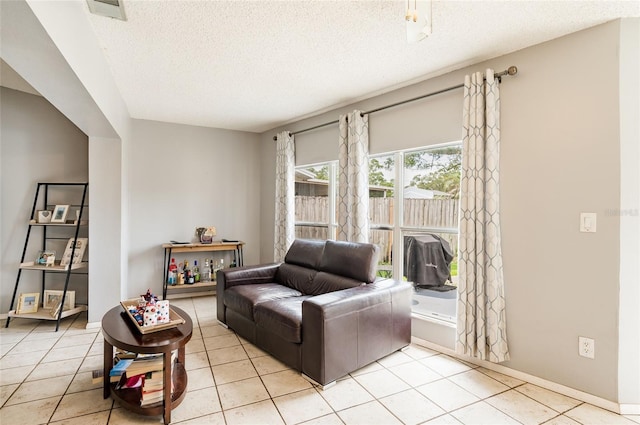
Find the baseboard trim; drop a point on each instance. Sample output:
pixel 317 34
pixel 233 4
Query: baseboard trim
pixel 623 409
pixel 630 409
pixel 93 325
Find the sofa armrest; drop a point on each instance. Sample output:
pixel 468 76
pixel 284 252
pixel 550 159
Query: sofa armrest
pixel 247 275
pixel 346 330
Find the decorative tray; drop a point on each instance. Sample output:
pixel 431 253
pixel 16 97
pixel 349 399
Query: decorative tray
pixel 174 319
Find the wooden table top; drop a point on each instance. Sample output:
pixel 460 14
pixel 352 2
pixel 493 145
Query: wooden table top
pixel 119 331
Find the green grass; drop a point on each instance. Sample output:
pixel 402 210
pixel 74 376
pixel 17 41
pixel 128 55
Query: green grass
pixel 454 268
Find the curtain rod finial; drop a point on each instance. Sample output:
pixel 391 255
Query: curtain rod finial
pixel 512 70
pixel 275 138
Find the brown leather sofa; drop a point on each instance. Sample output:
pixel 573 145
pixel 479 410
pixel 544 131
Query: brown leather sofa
pixel 320 312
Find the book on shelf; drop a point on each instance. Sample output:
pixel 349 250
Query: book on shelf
pixel 151 397
pixel 135 381
pixel 144 365
pixel 97 376
pixel 120 367
pixel 122 354
pixel 153 381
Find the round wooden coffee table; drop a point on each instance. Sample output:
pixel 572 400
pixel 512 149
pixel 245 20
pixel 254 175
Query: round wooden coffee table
pixel 119 331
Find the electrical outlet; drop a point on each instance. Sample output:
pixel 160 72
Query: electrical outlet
pixel 586 347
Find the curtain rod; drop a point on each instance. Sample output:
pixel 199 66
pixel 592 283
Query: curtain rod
pixel 511 71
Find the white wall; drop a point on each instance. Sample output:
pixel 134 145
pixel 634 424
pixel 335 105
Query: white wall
pixel 37 144
pixel 629 316
pixel 105 218
pixel 560 156
pixel 182 177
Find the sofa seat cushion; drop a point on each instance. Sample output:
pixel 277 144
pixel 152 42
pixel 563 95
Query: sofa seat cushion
pixel 243 298
pixel 282 317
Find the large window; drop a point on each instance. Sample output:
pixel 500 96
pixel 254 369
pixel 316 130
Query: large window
pixel 413 213
pixel 315 201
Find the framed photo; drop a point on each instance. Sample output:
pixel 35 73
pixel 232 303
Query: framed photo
pixel 60 214
pixel 52 299
pixel 28 303
pixel 46 258
pixel 78 255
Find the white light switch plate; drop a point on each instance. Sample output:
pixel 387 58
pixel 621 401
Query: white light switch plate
pixel 588 222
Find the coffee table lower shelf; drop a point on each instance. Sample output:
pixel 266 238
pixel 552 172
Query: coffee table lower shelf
pixel 130 397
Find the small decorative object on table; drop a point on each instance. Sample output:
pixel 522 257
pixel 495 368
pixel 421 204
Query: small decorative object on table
pixel 205 234
pixel 46 258
pixel 28 303
pixel 60 214
pixel 78 254
pixel 54 297
pixel 151 315
pixel 43 217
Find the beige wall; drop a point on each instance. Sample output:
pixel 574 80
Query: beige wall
pixel 181 177
pixel 560 156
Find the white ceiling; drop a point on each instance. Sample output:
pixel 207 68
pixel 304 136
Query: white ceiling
pixel 254 65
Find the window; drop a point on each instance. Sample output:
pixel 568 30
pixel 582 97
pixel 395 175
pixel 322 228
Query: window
pixel 315 188
pixel 413 199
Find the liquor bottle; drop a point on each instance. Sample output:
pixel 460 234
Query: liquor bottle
pixel 180 274
pixel 205 275
pixel 173 275
pixel 196 272
pixel 188 274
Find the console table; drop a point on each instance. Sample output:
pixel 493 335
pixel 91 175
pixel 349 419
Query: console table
pixel 201 288
pixel 119 331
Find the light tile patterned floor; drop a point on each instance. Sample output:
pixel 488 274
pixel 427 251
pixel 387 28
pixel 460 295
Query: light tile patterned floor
pixel 45 377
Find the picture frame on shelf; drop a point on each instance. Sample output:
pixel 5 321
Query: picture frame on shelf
pixel 78 255
pixel 46 258
pixel 43 216
pixel 28 303
pixel 53 298
pixel 60 214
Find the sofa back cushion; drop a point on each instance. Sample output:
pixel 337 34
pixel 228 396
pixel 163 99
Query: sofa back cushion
pixel 326 282
pixel 296 277
pixel 305 253
pixel 357 261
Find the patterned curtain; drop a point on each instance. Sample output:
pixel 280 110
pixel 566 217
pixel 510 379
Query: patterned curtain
pixel 481 330
pixel 285 195
pixel 353 179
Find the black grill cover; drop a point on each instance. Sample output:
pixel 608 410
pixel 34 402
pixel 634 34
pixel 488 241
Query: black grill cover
pixel 427 259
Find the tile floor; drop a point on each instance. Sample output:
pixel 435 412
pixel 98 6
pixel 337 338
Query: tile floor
pixel 45 377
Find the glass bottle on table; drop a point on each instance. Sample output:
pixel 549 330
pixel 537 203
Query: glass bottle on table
pixel 188 274
pixel 205 274
pixel 196 272
pixel 172 278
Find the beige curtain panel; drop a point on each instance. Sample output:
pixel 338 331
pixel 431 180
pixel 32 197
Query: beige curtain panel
pixel 353 178
pixel 481 327
pixel 285 195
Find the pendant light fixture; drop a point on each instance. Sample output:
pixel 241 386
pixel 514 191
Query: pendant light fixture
pixel 418 20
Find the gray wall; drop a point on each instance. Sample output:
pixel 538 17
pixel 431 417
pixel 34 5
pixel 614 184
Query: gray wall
pixel 560 156
pixel 37 144
pixel 181 177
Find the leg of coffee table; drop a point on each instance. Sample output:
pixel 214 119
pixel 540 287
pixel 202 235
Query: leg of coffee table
pixel 107 365
pixel 167 386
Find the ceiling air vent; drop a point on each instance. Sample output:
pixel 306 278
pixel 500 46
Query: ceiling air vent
pixel 108 8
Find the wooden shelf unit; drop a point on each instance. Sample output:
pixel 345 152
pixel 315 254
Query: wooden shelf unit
pixel 43 313
pixel 42 198
pixel 200 288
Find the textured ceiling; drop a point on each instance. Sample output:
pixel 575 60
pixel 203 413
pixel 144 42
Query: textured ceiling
pixel 254 65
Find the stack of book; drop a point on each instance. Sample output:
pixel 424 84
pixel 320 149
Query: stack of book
pixel 144 373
